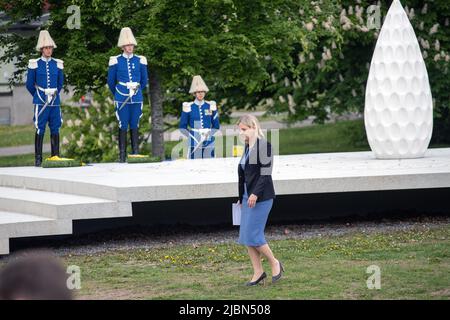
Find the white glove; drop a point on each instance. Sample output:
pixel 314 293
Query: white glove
pixel 132 86
pixel 204 133
pixel 49 93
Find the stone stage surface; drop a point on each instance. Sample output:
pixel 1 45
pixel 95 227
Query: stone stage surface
pixel 38 201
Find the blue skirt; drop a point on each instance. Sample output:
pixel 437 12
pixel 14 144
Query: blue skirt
pixel 253 221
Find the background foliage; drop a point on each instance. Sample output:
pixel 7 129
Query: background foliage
pixel 306 58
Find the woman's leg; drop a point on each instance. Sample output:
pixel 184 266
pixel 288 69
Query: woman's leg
pixel 255 257
pixel 274 263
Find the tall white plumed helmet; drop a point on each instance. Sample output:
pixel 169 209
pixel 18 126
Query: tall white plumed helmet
pixel 126 37
pixel 44 40
pixel 198 85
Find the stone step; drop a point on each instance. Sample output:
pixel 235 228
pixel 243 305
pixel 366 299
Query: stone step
pixel 4 246
pixel 18 225
pixel 59 205
pixel 50 184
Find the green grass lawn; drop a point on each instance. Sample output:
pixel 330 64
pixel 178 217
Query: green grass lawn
pixel 308 138
pixel 21 135
pixel 16 135
pixel 21 160
pixel 333 137
pixel 414 264
pixel 343 136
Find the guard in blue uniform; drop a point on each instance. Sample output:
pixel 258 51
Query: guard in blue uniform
pixel 45 79
pixel 127 78
pixel 202 118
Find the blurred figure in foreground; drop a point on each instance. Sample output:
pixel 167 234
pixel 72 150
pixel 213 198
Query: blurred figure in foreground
pixel 34 275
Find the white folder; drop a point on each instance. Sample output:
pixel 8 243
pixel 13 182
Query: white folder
pixel 236 209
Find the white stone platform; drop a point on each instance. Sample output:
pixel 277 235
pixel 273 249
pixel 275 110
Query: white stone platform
pixel 38 201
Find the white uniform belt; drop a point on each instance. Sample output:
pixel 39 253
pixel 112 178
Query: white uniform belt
pixel 128 84
pixel 50 94
pixel 43 89
pixel 200 130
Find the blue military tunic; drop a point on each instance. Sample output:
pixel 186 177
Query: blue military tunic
pixel 200 115
pixel 124 73
pixel 45 76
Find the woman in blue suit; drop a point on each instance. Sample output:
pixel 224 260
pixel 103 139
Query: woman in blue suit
pixel 256 194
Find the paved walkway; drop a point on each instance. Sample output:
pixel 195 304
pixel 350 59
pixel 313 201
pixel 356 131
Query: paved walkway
pixel 19 150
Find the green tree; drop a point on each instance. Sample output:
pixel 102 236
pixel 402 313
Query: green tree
pixel 332 76
pixel 232 44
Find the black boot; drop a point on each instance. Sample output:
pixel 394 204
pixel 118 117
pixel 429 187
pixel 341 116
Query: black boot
pixel 122 146
pixel 54 141
pixel 38 142
pixel 134 141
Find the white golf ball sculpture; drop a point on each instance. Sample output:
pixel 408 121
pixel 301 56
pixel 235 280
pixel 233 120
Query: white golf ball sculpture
pixel 398 113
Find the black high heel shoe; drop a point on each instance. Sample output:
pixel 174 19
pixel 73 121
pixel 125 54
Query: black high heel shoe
pixel 278 276
pixel 254 283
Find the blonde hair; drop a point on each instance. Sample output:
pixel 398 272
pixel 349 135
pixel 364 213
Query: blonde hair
pixel 251 121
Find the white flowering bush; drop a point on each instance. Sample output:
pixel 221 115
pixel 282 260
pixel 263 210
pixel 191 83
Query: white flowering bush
pixel 92 132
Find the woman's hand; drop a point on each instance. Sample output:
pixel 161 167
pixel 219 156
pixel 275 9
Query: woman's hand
pixel 252 200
